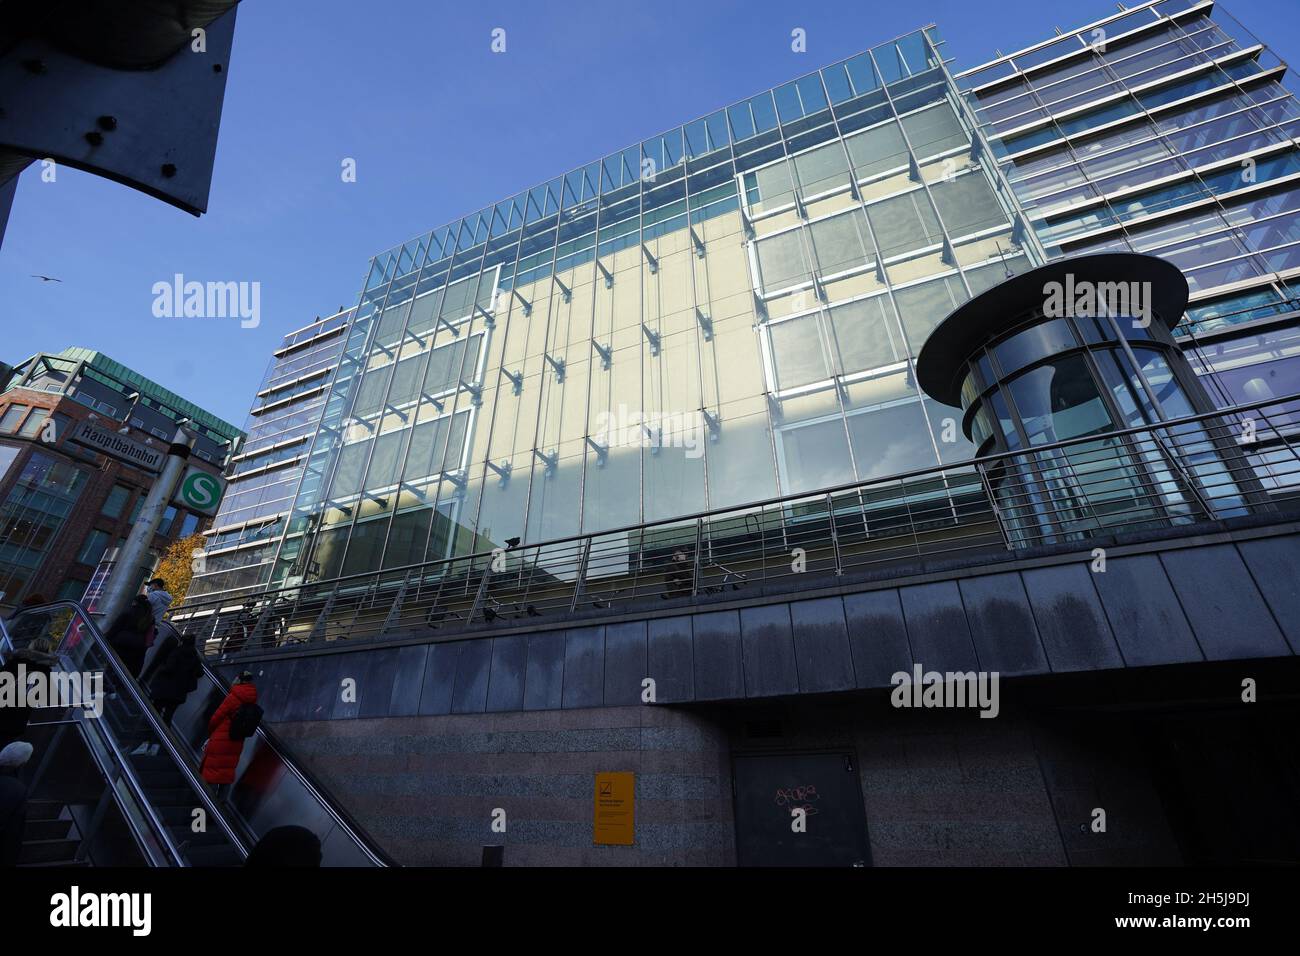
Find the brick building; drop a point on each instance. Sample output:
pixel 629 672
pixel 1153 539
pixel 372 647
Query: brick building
pixel 81 437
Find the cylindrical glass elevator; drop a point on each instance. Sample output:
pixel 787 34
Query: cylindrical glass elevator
pixel 1082 348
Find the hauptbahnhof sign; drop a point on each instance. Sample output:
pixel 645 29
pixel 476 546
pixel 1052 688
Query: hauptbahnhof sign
pixel 119 446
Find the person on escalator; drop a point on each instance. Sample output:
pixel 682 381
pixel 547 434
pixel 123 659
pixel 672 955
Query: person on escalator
pixel 129 634
pixel 173 673
pixel 158 598
pixel 234 721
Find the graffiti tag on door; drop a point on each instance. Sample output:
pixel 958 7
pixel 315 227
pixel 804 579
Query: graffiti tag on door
pixel 803 797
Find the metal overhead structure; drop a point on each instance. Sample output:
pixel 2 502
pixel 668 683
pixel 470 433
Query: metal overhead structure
pixel 131 92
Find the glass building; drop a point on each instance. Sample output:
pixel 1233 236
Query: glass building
pixel 1166 129
pixel 264 476
pixel 730 310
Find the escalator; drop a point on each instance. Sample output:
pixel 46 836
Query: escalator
pixel 116 786
pixel 272 790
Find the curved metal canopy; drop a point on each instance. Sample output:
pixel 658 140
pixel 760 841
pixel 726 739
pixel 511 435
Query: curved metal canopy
pixel 995 310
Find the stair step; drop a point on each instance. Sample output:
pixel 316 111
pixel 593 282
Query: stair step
pixel 44 810
pixel 42 714
pixel 47 851
pixel 35 830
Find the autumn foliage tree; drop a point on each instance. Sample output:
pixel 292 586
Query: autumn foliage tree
pixel 177 566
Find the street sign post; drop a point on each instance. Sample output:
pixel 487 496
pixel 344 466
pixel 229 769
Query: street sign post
pixel 119 446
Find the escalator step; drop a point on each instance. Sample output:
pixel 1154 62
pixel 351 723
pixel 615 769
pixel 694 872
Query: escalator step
pixel 179 829
pixel 162 760
pixel 180 816
pixel 170 777
pixel 178 796
pixel 122 717
pixel 215 855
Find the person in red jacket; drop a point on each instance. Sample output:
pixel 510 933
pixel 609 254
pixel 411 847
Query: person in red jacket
pixel 221 756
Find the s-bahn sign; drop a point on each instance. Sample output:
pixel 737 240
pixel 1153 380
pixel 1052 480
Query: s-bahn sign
pixel 200 491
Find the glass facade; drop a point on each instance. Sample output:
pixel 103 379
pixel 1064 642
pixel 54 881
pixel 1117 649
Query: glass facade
pixel 264 476
pixel 719 314
pixel 729 311
pixel 32 515
pixel 1166 129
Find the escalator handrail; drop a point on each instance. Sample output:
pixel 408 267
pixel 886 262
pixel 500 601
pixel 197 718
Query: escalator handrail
pixel 160 831
pixel 128 682
pixel 317 790
pixel 128 774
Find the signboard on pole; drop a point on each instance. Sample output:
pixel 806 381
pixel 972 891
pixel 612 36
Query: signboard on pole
pixel 119 446
pixel 200 491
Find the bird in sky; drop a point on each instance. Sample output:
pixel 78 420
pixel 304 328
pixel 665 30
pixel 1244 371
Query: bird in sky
pixel 46 278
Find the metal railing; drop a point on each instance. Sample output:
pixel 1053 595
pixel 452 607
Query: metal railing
pixel 76 641
pixel 269 789
pixel 120 784
pixel 1201 468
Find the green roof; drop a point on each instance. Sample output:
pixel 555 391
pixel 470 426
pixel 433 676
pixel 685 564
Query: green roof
pixel 145 386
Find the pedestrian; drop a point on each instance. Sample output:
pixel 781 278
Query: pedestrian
pixel 240 628
pixel 227 730
pixel 13 801
pixel 173 673
pixel 22 663
pixel 286 846
pixel 159 599
pixel 679 576
pixel 129 635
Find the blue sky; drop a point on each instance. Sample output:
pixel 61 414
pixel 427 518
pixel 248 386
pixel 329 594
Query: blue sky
pixel 439 126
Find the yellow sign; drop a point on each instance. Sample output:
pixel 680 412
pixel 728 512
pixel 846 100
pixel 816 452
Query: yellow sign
pixel 615 804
